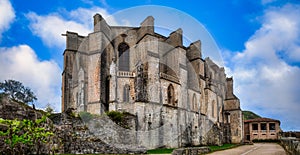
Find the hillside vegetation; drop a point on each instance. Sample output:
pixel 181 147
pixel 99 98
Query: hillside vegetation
pixel 250 115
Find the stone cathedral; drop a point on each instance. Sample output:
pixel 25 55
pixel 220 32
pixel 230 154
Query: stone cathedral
pixel 176 97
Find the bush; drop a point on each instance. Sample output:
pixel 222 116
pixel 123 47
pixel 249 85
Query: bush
pixel 120 118
pixel 115 116
pixel 86 116
pixel 24 136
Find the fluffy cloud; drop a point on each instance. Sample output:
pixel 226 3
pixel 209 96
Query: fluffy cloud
pixel 279 35
pixel 85 16
pixel 7 15
pixel 266 81
pixel 50 27
pixel 43 77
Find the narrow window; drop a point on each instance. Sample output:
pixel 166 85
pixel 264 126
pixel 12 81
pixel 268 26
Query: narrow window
pixel 263 126
pixel 123 49
pixel 272 126
pixel 126 93
pixel 171 95
pixel 213 108
pixel 254 126
pixel 195 107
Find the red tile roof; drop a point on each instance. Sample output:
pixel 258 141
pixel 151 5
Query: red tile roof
pixel 262 120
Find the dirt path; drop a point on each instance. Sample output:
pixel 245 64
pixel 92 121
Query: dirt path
pixel 256 149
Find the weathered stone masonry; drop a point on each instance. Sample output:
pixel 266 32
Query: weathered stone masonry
pixel 178 98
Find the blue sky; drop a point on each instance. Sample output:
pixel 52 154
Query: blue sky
pixel 259 42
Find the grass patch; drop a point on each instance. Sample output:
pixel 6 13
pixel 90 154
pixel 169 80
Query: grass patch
pixel 120 118
pixel 223 147
pixel 85 116
pixel 160 151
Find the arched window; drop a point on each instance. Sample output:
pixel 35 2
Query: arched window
pixel 126 93
pixel 171 95
pixel 194 106
pixel 123 49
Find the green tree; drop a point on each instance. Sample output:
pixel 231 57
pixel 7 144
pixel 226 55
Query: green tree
pixel 17 91
pixel 49 109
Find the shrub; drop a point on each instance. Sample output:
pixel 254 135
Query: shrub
pixel 24 136
pixel 115 116
pixel 120 118
pixel 86 116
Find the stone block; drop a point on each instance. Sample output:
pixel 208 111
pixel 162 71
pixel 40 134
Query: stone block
pixel 191 151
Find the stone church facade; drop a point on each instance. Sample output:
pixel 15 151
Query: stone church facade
pixel 177 97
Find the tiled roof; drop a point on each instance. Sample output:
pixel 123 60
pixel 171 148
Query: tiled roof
pixel 262 120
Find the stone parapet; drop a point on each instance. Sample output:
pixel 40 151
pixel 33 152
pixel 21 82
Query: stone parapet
pixel 191 151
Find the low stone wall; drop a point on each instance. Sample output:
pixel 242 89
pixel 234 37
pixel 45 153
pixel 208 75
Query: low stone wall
pixel 191 151
pixel 291 145
pixel 77 137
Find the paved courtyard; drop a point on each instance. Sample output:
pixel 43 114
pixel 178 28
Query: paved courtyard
pixel 256 149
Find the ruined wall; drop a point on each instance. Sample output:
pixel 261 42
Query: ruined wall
pixel 232 107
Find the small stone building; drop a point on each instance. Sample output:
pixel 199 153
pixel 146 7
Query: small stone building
pixel 261 129
pixel 177 97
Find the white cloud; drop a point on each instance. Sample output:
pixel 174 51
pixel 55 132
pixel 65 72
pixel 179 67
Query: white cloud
pixel 85 16
pixel 7 15
pixel 267 1
pixel 43 77
pixel 265 80
pixel 280 32
pixel 50 27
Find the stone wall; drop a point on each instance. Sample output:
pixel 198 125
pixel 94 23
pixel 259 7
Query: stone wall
pixel 191 151
pixel 72 134
pixel 15 110
pixel 11 110
pixel 97 136
pixel 159 126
